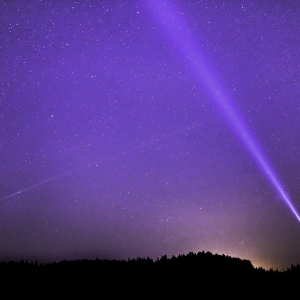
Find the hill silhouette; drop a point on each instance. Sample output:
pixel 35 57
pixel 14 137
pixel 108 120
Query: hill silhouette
pixel 192 274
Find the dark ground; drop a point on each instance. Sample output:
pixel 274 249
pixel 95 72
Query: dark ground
pixel 194 276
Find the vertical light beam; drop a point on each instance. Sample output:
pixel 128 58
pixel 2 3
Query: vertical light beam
pixel 176 30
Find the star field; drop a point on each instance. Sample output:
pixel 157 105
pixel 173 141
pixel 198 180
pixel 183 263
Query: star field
pixel 112 147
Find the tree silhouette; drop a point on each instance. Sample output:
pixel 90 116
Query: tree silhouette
pixel 194 273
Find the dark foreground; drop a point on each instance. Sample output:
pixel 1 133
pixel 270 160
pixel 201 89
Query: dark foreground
pixel 192 276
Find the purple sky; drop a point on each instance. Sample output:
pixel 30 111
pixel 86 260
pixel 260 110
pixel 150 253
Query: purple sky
pixel 114 143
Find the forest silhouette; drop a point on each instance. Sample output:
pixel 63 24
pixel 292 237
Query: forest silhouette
pixel 191 274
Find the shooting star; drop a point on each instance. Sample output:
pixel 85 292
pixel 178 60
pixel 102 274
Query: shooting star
pixel 113 156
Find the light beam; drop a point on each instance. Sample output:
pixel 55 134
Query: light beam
pixel 177 31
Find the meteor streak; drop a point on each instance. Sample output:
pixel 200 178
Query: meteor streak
pixel 94 163
pixel 176 30
pixel 34 186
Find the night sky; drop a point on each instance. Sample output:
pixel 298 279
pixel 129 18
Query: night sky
pixel 126 129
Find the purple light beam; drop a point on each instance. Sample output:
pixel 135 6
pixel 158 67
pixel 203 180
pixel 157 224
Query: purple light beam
pixel 169 19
